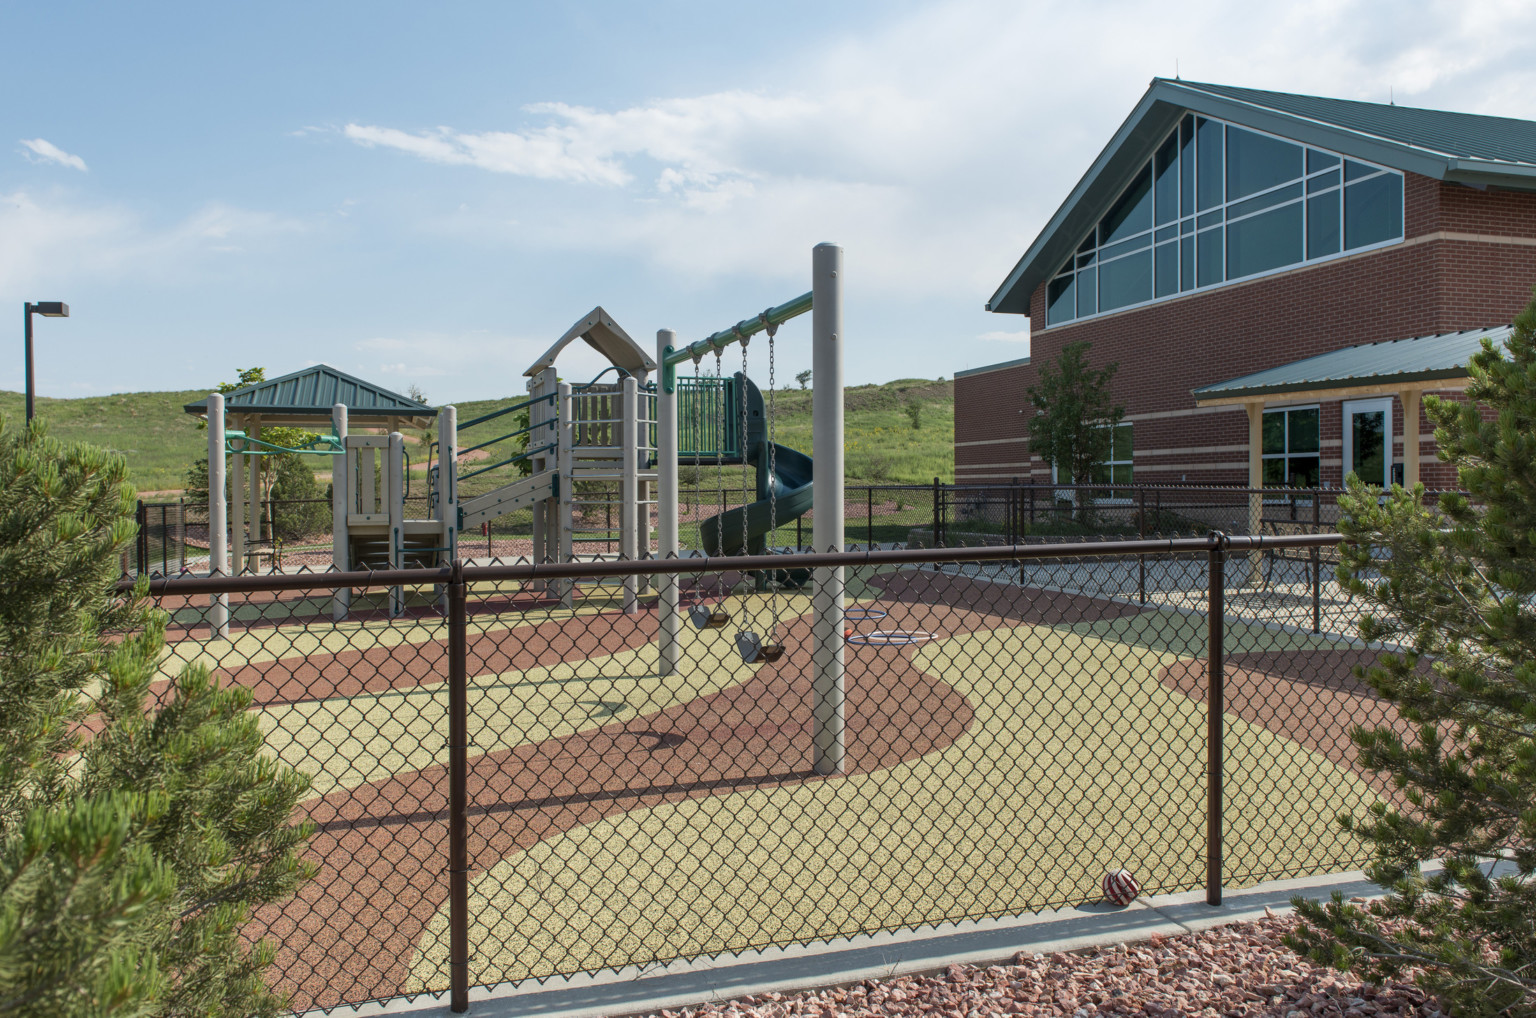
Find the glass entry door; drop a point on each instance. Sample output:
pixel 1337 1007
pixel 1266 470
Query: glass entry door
pixel 1368 440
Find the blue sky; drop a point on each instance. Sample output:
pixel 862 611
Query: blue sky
pixel 431 194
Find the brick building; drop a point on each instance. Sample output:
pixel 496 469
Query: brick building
pixel 1222 242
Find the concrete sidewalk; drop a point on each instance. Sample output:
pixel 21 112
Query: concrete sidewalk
pixel 680 984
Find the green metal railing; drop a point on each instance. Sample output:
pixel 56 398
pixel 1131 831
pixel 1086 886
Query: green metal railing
pixel 707 424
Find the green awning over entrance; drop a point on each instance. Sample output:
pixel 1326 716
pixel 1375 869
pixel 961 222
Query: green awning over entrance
pixel 1417 362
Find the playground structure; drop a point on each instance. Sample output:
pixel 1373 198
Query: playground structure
pixel 602 443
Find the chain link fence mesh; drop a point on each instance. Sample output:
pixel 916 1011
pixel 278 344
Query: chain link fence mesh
pixel 1015 725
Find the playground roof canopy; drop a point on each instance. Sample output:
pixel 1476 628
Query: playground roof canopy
pixel 604 335
pixel 304 399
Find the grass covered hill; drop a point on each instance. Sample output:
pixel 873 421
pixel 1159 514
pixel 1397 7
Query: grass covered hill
pixel 150 429
pixel 160 441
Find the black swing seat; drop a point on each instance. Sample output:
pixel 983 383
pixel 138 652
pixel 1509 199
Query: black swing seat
pixel 754 651
pixel 703 617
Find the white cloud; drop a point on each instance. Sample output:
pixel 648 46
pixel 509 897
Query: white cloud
pixel 1005 337
pixel 51 237
pixel 47 152
pixel 935 146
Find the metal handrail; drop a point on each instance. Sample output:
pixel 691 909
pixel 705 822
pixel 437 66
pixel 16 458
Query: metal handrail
pixel 515 459
pixel 505 410
pixel 510 434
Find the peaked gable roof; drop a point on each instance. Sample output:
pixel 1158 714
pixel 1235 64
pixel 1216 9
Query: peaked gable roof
pixel 604 335
pixel 1463 148
pixel 310 393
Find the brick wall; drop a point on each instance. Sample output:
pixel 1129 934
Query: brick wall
pixel 1430 283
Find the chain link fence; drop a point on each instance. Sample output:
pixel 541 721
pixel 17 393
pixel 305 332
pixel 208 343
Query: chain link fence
pixel 506 786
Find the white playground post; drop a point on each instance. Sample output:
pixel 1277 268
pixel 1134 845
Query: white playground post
pixel 253 519
pixel 565 463
pixel 827 528
pixel 666 501
pixel 218 552
pixel 395 493
pixel 448 481
pixel 341 598
pixel 236 511
pixel 629 487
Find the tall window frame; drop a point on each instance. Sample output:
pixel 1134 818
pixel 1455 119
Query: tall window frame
pixel 1115 473
pixel 1291 446
pixel 1196 217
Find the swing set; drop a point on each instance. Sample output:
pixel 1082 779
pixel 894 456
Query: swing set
pixel 759 517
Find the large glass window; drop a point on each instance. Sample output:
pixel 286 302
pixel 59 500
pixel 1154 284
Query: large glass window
pixel 1118 469
pixel 1222 203
pixel 1292 448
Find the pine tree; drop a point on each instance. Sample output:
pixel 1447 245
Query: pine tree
pixel 1455 591
pixel 136 837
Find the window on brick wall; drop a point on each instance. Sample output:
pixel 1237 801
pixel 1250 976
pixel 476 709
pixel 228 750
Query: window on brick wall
pixel 1117 470
pixel 1218 203
pixel 1292 448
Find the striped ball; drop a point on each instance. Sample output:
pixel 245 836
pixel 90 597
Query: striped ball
pixel 1120 887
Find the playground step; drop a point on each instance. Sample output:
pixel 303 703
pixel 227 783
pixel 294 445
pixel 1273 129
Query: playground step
pixel 508 498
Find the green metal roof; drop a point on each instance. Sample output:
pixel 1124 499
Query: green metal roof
pixel 312 392
pixel 1458 147
pixel 999 366
pixel 1422 358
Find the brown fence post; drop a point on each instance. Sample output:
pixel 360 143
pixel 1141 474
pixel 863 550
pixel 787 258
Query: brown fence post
pixel 870 520
pixel 141 541
pixel 1317 565
pixel 1141 531
pixel 1215 706
pixel 458 797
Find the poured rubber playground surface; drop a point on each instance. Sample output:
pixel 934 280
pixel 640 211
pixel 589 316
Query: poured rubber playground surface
pixel 998 764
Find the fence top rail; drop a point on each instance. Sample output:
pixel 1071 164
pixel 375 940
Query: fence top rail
pixel 743 563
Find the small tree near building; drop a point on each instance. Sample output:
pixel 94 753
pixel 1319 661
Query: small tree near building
pixel 1455 591
pixel 1074 417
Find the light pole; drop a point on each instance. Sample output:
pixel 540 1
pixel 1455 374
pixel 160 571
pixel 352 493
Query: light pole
pixel 48 309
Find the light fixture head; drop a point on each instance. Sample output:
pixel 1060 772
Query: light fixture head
pixel 51 309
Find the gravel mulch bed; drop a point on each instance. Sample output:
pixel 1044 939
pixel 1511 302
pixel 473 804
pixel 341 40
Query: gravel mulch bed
pixel 1239 970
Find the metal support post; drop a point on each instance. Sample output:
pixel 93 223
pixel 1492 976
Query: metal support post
pixel 458 791
pixel 1317 566
pixel 937 514
pixel 237 529
pixel 827 343
pixel 1141 531
pixel 1215 707
pixel 670 621
pixel 565 470
pixel 218 552
pixel 394 493
pixel 253 522
pixel 629 486
pixel 448 481
pixel 341 500
pixel 869 518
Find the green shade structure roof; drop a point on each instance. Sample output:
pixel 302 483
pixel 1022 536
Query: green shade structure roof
pixel 1404 362
pixel 305 398
pixel 1466 148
